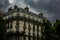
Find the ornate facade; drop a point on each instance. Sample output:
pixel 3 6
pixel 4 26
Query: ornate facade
pixel 22 24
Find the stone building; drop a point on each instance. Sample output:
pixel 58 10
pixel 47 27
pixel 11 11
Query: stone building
pixel 22 24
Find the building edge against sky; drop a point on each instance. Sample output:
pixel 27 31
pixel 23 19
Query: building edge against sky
pixel 22 24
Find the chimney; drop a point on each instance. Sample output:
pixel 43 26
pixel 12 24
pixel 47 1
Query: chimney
pixel 40 14
pixel 10 9
pixel 26 9
pixel 15 7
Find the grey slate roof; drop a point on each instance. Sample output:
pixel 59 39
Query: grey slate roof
pixel 21 10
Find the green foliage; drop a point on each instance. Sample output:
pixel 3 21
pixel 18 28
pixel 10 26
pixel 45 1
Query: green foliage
pixel 47 30
pixel 51 32
pixel 2 29
pixel 57 29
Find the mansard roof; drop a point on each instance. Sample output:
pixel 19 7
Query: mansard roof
pixel 23 11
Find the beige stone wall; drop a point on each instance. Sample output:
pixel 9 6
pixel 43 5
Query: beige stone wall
pixel 21 24
pixel 13 27
pixel 25 15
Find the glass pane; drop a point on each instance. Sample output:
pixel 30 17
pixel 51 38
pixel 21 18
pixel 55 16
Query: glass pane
pixel 38 20
pixel 31 31
pixel 31 38
pixel 39 28
pixel 21 24
pixel 27 38
pixel 39 34
pixel 27 24
pixel 35 33
pixel 21 14
pixel 31 17
pixel 13 26
pixel 27 16
pixel 35 19
pixel 35 27
pixel 31 25
pixel 35 38
pixel 26 31
pixel 21 38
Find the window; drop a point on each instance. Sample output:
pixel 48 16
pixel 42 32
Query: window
pixel 21 24
pixel 35 38
pixel 31 38
pixel 17 14
pixel 20 38
pixel 31 17
pixel 35 27
pixel 41 20
pixel 13 26
pixel 26 31
pixel 35 33
pixel 14 23
pixel 35 19
pixel 39 33
pixel 7 25
pixel 31 32
pixel 27 24
pixel 27 38
pixel 39 39
pixel 14 14
pixel 39 28
pixel 24 15
pixel 17 22
pixel 16 38
pixel 20 14
pixel 27 16
pixel 38 20
pixel 31 25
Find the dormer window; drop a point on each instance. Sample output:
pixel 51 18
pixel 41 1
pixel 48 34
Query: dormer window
pixel 15 7
pixel 40 14
pixel 10 9
pixel 26 9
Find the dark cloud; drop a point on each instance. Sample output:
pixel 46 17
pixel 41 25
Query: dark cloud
pixel 51 6
pixel 4 4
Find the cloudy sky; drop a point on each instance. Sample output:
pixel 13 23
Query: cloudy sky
pixel 50 8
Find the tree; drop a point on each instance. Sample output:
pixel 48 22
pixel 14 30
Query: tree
pixel 50 31
pixel 47 30
pixel 57 29
pixel 2 28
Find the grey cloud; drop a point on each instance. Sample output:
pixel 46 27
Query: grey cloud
pixel 51 6
pixel 3 4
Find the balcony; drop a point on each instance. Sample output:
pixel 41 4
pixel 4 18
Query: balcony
pixel 22 17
